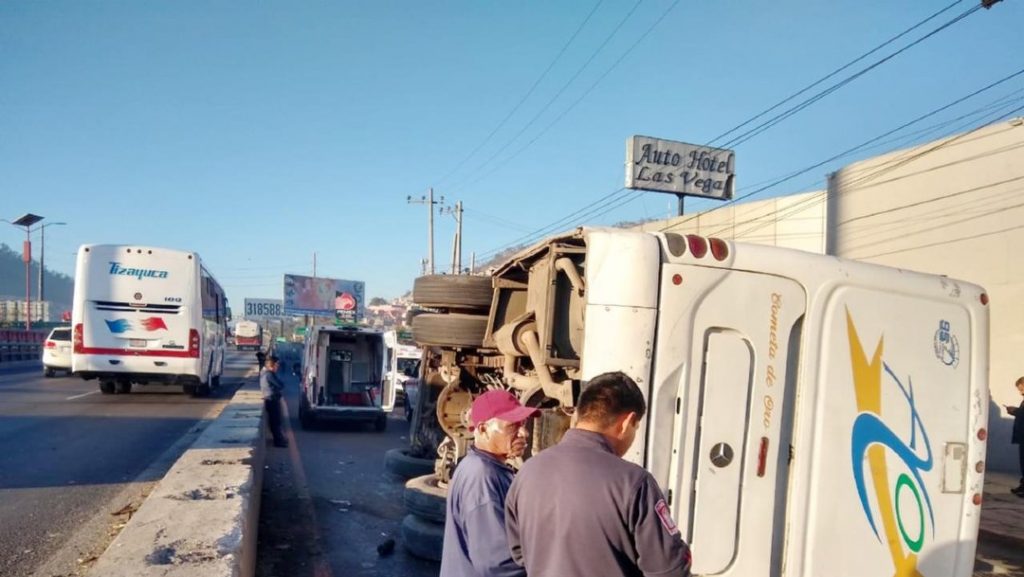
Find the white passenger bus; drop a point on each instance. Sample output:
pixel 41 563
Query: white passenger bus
pixel 147 315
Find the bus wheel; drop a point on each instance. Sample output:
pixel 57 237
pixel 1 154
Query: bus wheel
pixel 202 391
pixel 123 387
pixel 189 389
pixel 107 387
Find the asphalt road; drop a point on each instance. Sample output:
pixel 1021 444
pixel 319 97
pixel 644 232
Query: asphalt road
pixel 74 463
pixel 328 503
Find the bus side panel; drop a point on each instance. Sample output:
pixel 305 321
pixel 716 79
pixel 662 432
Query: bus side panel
pixel 727 345
pixel 886 439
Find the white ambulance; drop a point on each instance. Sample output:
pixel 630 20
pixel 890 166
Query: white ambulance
pixel 344 377
pixel 145 315
pixel 807 416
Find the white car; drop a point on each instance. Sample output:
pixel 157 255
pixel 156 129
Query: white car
pixel 57 352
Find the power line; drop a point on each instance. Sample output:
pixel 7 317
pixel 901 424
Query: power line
pixel 831 74
pixel 891 165
pixel 562 90
pixel 944 242
pixel 778 118
pixel 497 220
pixel 906 234
pixel 562 115
pixel 966 206
pixel 849 151
pixel 775 120
pixel 554 225
pixel 529 92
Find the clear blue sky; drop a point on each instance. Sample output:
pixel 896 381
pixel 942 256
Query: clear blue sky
pixel 258 133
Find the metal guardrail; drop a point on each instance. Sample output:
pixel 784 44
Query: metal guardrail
pixel 21 345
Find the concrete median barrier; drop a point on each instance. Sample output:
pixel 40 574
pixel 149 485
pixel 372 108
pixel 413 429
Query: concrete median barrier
pixel 201 518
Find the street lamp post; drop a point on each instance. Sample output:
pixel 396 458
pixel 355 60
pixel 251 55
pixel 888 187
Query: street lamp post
pixel 42 269
pixel 26 222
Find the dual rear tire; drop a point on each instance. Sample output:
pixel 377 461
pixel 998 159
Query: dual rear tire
pixel 462 302
pixel 115 387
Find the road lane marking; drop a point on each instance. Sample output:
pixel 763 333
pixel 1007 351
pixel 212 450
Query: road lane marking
pixel 80 396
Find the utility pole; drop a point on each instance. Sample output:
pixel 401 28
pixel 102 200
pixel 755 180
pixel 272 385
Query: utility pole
pixel 458 237
pixel 457 242
pixel 430 202
pixel 42 267
pixel 472 262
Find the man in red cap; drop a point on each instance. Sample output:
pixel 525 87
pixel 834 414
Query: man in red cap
pixel 475 543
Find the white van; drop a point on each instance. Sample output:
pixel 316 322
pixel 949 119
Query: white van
pixel 344 377
pixel 807 415
pixel 404 363
pixel 146 315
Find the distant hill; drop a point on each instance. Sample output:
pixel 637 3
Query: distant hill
pixel 59 287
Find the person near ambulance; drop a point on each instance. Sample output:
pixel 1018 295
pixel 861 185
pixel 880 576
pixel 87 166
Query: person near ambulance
pixel 1018 435
pixel 271 387
pixel 474 531
pixel 578 509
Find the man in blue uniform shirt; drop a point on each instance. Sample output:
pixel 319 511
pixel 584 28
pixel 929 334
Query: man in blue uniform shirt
pixel 475 544
pixel 579 510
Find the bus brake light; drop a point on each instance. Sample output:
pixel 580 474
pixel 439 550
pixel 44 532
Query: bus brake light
pixel 76 337
pixel 193 343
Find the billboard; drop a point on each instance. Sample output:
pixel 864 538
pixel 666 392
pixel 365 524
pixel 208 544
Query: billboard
pixel 324 297
pixel 259 309
pixel 680 168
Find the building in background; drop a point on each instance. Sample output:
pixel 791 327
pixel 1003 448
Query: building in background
pixel 12 311
pixel 954 207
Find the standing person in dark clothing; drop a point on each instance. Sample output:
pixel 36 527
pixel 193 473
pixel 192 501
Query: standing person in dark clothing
pixel 271 387
pixel 261 359
pixel 475 544
pixel 578 509
pixel 1018 435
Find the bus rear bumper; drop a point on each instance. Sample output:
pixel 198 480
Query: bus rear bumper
pixel 138 369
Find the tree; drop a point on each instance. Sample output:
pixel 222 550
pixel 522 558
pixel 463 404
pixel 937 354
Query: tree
pixel 378 301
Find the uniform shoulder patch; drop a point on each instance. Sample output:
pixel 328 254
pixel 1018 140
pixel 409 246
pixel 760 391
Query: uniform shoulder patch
pixel 661 508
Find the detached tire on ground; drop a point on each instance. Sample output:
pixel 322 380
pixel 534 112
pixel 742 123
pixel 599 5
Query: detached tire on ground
pixel 451 330
pixel 422 538
pixel 425 499
pixel 453 291
pixel 398 462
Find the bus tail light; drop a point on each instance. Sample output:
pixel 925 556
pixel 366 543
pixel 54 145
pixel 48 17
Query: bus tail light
pixel 193 343
pixel 719 249
pixel 698 245
pixel 76 337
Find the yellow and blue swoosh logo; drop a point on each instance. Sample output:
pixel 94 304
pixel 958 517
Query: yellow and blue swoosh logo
pixel 872 441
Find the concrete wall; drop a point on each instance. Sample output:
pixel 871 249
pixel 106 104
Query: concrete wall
pixel 201 519
pixel 794 221
pixel 954 207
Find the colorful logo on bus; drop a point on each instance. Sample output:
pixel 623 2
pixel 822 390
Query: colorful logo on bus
pixel 118 269
pixel 894 459
pixel 124 325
